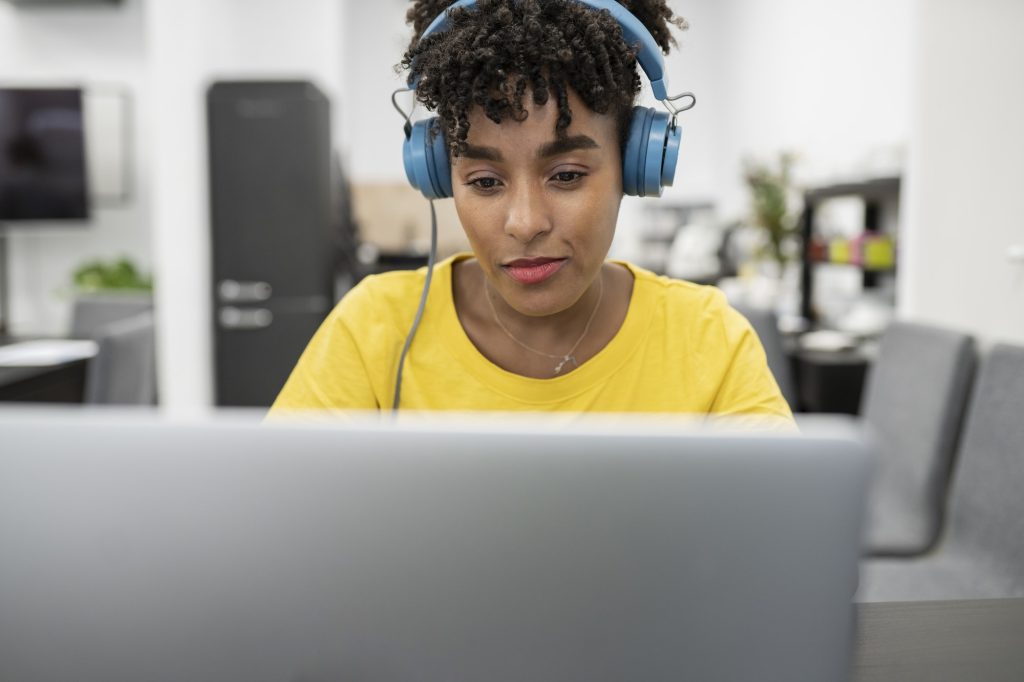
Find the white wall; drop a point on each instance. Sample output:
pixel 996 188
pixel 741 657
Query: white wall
pixel 96 46
pixel 374 38
pixel 828 80
pixel 965 206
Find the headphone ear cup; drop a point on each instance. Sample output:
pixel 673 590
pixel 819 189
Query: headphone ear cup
pixel 651 154
pixel 636 149
pixel 425 156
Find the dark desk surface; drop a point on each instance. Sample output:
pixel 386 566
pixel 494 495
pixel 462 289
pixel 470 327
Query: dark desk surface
pixel 59 383
pixel 966 641
pixel 830 381
pixel 63 383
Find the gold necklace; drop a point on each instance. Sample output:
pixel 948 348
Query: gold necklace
pixel 562 359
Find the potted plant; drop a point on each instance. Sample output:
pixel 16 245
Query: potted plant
pixel 108 291
pixel 767 243
pixel 771 192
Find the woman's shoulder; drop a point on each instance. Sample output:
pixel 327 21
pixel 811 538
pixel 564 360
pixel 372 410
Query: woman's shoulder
pixel 696 310
pixel 396 292
pixel 677 293
pixel 385 287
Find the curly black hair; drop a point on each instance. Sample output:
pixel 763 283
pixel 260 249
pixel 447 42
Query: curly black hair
pixel 492 54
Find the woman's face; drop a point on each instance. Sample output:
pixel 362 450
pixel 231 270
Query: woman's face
pixel 540 212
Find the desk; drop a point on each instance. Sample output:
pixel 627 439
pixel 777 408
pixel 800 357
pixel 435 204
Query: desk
pixel 975 640
pixel 61 382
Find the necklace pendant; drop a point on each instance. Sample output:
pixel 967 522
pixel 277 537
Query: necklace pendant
pixel 566 359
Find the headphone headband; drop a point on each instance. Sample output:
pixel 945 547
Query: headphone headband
pixel 649 58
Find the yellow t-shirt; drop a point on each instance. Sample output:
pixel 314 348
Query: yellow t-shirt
pixel 680 349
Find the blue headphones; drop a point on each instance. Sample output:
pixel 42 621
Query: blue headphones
pixel 652 146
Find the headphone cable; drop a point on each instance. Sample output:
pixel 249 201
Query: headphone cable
pixel 419 310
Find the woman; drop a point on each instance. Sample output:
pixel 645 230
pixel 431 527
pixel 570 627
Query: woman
pixel 535 99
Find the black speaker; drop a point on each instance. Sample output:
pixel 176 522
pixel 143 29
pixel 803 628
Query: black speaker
pixel 272 227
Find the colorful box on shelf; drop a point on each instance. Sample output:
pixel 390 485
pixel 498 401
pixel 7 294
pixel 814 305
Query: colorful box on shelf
pixel 878 252
pixel 841 251
pixel 817 250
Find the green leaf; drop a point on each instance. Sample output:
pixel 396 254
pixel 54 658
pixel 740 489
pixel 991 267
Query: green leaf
pixel 117 275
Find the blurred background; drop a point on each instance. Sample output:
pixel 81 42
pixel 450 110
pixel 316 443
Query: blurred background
pixel 187 187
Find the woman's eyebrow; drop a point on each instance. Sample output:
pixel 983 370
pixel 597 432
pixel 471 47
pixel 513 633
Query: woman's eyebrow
pixel 483 153
pixel 553 148
pixel 567 144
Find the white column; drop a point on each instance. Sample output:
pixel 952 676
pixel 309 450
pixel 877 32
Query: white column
pixel 181 242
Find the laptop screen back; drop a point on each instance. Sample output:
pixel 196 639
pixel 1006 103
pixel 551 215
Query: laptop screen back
pixel 139 550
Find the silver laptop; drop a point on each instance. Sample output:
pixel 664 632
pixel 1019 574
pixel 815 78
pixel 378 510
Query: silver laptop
pixel 137 549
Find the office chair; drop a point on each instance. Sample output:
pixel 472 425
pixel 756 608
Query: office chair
pixel 913 403
pixel 123 372
pixel 91 313
pixel 982 554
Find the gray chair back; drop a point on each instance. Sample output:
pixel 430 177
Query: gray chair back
pixel 914 400
pixel 123 372
pixel 987 497
pixel 91 313
pixel 766 326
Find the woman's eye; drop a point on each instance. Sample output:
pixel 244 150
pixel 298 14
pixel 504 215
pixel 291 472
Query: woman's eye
pixel 568 177
pixel 485 184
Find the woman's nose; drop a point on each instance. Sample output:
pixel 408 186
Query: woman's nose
pixel 527 216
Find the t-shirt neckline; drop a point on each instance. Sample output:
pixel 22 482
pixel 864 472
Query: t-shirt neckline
pixel 528 389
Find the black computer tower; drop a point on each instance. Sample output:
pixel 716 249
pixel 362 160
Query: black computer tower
pixel 273 232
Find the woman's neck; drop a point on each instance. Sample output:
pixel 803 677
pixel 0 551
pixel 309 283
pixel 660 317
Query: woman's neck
pixel 552 331
pixel 535 346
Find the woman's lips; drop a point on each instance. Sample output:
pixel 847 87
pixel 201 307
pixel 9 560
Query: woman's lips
pixel 533 270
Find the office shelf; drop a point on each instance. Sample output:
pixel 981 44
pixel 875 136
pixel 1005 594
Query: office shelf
pixel 873 251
